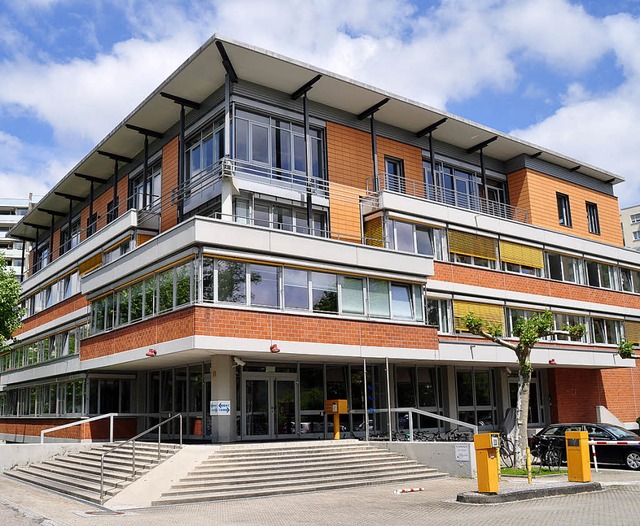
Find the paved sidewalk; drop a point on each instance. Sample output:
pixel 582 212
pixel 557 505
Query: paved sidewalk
pixel 616 505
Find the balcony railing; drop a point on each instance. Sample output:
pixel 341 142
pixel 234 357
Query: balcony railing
pixel 438 194
pixel 200 187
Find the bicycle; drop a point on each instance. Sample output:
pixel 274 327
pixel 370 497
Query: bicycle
pixel 549 456
pixel 507 451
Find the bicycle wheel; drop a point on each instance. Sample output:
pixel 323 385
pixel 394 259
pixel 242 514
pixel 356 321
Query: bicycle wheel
pixel 507 454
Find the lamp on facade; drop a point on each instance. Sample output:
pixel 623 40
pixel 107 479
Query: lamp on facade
pixel 152 352
pixel 552 361
pixel 274 348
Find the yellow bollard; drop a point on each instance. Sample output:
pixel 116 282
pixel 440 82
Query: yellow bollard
pixel 336 426
pixel 529 465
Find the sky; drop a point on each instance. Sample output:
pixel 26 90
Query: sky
pixel 563 74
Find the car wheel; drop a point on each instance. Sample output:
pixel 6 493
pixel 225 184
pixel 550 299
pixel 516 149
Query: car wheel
pixel 633 460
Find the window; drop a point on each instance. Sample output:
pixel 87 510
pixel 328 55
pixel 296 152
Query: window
pixel 600 275
pixel 273 147
pixel 630 280
pixel 513 316
pixel 475 396
pixel 564 268
pixel 592 218
pixel 265 286
pixel 248 210
pixel 522 259
pixel 232 281
pixel 69 237
pixel 409 237
pixel 560 320
pixel 204 149
pixel 636 235
pixel 296 289
pixel 112 210
pixel 564 211
pixel 452 186
pixel 604 330
pixel 92 223
pixel 151 195
pixel 438 315
pixel 352 290
pixel 324 291
pixel 472 249
pixel 635 218
pixel 394 175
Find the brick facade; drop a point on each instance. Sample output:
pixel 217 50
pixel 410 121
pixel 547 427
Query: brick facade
pixel 123 428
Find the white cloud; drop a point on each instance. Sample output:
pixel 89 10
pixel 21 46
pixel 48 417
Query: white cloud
pixel 447 52
pixel 602 129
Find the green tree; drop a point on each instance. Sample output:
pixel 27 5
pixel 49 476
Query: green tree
pixel 528 332
pixel 10 314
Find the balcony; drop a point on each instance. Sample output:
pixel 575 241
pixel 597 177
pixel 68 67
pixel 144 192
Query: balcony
pixel 207 184
pixel 449 197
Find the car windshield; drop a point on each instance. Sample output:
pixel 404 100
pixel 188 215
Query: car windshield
pixel 621 433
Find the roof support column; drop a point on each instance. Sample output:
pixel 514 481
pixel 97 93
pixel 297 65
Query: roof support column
pixel 479 148
pixel 432 154
pixel 24 242
pixel 374 144
pixel 113 213
pixel 302 91
pixel 145 167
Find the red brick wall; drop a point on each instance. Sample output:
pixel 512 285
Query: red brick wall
pixel 123 428
pixel 230 323
pixel 67 306
pixel 575 393
pixel 495 279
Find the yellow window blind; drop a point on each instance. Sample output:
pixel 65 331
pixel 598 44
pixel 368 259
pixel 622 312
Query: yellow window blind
pixel 521 254
pixel 90 264
pixel 489 313
pixel 373 232
pixel 632 331
pixel 472 245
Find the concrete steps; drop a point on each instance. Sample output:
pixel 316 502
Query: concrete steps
pixel 253 470
pixel 78 474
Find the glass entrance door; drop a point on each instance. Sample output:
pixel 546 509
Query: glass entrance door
pixel 270 406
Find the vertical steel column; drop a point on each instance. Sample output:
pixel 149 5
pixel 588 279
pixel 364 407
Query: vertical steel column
pixel 307 148
pixel 91 207
pixel 483 173
pixel 35 257
pixel 51 238
pixel 227 116
pixel 145 168
pixel 386 363
pixel 181 153
pixel 374 151
pixel 432 156
pixel 24 242
pixel 115 191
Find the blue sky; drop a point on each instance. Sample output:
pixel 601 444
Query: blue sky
pixel 564 74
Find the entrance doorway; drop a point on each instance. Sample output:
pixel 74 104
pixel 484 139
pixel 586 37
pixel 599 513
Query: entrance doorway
pixel 270 403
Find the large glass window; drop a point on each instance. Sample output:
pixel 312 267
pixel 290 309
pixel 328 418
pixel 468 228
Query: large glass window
pixel 605 330
pixel 420 239
pixel 265 286
pixel 232 281
pixel 204 149
pixel 152 193
pixel 273 147
pixel 601 275
pixel 352 295
pixel 394 172
pixel 564 268
pixel 379 305
pixel 475 396
pixel 324 292
pixel 439 314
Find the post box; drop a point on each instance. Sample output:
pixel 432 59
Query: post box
pixel 487 446
pixel 336 408
pixel 578 460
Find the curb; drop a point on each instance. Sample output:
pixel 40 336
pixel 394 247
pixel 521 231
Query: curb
pixel 474 497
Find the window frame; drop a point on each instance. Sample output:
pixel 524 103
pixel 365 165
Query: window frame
pixel 564 210
pixel 593 219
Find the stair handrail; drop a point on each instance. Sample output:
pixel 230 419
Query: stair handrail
pixel 80 422
pixel 411 410
pixel 133 466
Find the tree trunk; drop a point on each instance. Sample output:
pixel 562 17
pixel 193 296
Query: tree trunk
pixel 522 414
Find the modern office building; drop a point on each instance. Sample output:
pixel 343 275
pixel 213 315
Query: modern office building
pixel 11 211
pixel 266 235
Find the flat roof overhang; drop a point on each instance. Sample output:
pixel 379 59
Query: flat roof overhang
pixel 204 72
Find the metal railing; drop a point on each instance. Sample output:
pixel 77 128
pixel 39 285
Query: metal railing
pixel 447 196
pixel 412 410
pixel 81 422
pixel 133 440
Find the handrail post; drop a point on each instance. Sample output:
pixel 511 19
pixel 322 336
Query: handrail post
pixel 410 413
pixel 134 459
pixel 111 428
pixel 180 428
pixel 160 438
pixel 102 478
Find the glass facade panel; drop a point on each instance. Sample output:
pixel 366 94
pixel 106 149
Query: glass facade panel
pixel 232 281
pixel 265 283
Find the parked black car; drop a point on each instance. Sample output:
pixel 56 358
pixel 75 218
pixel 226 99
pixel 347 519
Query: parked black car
pixel 628 454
